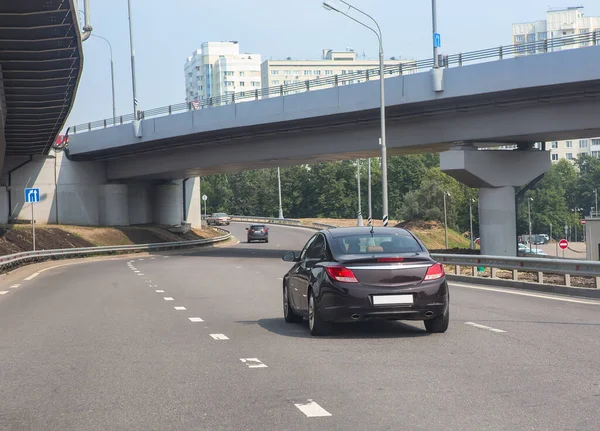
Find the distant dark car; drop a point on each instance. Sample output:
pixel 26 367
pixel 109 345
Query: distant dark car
pixel 355 274
pixel 258 232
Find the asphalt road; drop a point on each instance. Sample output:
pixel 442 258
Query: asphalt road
pixel 99 346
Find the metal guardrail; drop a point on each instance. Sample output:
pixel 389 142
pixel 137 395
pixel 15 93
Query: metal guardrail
pixel 406 67
pixel 26 256
pixel 272 220
pixel 539 266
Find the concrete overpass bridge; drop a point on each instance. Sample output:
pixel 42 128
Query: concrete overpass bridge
pixel 139 169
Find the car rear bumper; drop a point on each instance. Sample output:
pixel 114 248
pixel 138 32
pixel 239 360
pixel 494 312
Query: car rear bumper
pixel 355 304
pixel 258 237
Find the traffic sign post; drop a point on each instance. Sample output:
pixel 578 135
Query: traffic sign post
pixel 205 198
pixel 563 244
pixel 32 196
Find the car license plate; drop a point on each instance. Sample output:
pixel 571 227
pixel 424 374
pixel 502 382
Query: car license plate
pixel 392 299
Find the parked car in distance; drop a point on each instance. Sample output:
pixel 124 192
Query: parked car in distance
pixel 258 232
pixel 218 219
pixel 362 273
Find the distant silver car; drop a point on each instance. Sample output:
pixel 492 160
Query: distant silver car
pixel 218 219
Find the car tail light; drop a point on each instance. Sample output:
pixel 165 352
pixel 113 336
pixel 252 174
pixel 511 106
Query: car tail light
pixel 390 259
pixel 339 273
pixel 435 272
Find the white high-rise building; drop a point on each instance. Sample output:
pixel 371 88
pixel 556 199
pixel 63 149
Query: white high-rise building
pixel 560 22
pixel 218 69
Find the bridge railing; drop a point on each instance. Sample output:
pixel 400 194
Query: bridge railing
pixel 403 67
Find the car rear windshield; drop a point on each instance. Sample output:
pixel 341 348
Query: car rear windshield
pixel 257 226
pixel 220 215
pixel 375 244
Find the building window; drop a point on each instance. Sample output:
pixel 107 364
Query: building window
pixel 554 157
pixel 569 144
pixel 255 84
pixel 542 36
pixel 519 38
pixel 317 72
pixel 274 72
pixel 308 72
pixel 596 154
pixel 276 82
pixel 329 72
pixel 229 73
pixel 242 84
pixel 554 144
pixel 242 73
pixel 287 82
pixel 569 156
pixel 595 141
pixel 531 38
pixel 583 143
pixel 583 31
pixel 229 83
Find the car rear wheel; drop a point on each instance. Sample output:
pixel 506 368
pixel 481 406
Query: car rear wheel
pixel 438 324
pixel 316 325
pixel 288 312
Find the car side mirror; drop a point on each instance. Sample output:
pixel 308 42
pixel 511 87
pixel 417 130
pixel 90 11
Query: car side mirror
pixel 246 228
pixel 290 256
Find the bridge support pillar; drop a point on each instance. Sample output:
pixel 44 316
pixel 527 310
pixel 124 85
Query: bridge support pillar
pixel 140 203
pixel 113 205
pixel 496 173
pixel 168 203
pixel 192 202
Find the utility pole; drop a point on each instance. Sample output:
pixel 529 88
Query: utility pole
pixel 370 223
pixel 359 221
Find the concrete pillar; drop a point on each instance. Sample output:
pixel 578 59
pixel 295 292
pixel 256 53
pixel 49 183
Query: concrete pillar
pixel 168 203
pixel 496 173
pixel 592 238
pixel 140 204
pixel 113 205
pixel 192 202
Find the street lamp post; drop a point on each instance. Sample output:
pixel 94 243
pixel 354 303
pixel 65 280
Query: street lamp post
pixel 369 194
pixel 596 194
pixel 434 26
pixel 135 101
pixel 471 201
pixel 279 186
pixel 359 219
pixel 529 218
pixel 446 220
pixel 330 5
pixel 112 78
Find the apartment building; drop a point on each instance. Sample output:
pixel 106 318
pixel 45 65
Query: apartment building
pixel 219 69
pixel 560 22
pixel 284 72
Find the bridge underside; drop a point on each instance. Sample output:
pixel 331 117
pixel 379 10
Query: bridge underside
pixel 41 62
pixel 496 124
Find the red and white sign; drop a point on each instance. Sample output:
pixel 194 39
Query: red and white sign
pixel 563 243
pixel 583 221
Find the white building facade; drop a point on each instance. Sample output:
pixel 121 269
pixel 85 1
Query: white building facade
pixel 342 63
pixel 217 70
pixel 559 23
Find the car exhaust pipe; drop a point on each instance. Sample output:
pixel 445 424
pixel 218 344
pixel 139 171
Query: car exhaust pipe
pixel 428 313
pixel 355 316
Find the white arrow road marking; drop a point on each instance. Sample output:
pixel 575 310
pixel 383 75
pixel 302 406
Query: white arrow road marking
pixel 253 363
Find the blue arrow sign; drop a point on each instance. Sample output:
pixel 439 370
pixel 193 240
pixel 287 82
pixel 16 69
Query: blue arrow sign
pixel 437 40
pixel 32 195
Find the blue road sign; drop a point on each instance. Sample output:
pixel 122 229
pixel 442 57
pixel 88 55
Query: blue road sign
pixel 437 40
pixel 32 195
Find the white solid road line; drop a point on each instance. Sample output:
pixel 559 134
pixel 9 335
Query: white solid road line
pixel 3 292
pixel 253 363
pixel 195 319
pixel 32 276
pixel 180 308
pixel 312 409
pixel 159 291
pixel 535 295
pixel 14 286
pixel 219 336
pixel 168 298
pixel 489 328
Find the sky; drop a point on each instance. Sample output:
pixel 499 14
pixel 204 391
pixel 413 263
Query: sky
pixel 165 33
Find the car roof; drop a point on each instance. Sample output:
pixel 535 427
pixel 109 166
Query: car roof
pixel 346 231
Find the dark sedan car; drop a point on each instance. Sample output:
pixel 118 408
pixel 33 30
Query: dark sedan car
pixel 362 273
pixel 258 232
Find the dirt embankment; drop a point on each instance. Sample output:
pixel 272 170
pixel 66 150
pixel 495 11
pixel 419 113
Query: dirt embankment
pixel 17 238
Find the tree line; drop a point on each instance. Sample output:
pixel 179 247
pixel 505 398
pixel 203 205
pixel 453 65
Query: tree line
pixel 416 188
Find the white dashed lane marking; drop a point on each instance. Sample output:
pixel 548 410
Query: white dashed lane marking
pixel 159 291
pixel 195 319
pixel 312 409
pixel 3 292
pixel 14 286
pixel 180 308
pixel 168 298
pixel 253 363
pixel 489 328
pixel 32 276
pixel 219 336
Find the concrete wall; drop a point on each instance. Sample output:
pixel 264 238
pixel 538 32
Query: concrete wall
pixel 113 205
pixel 168 203
pixel 193 202
pixel 592 238
pixel 140 203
